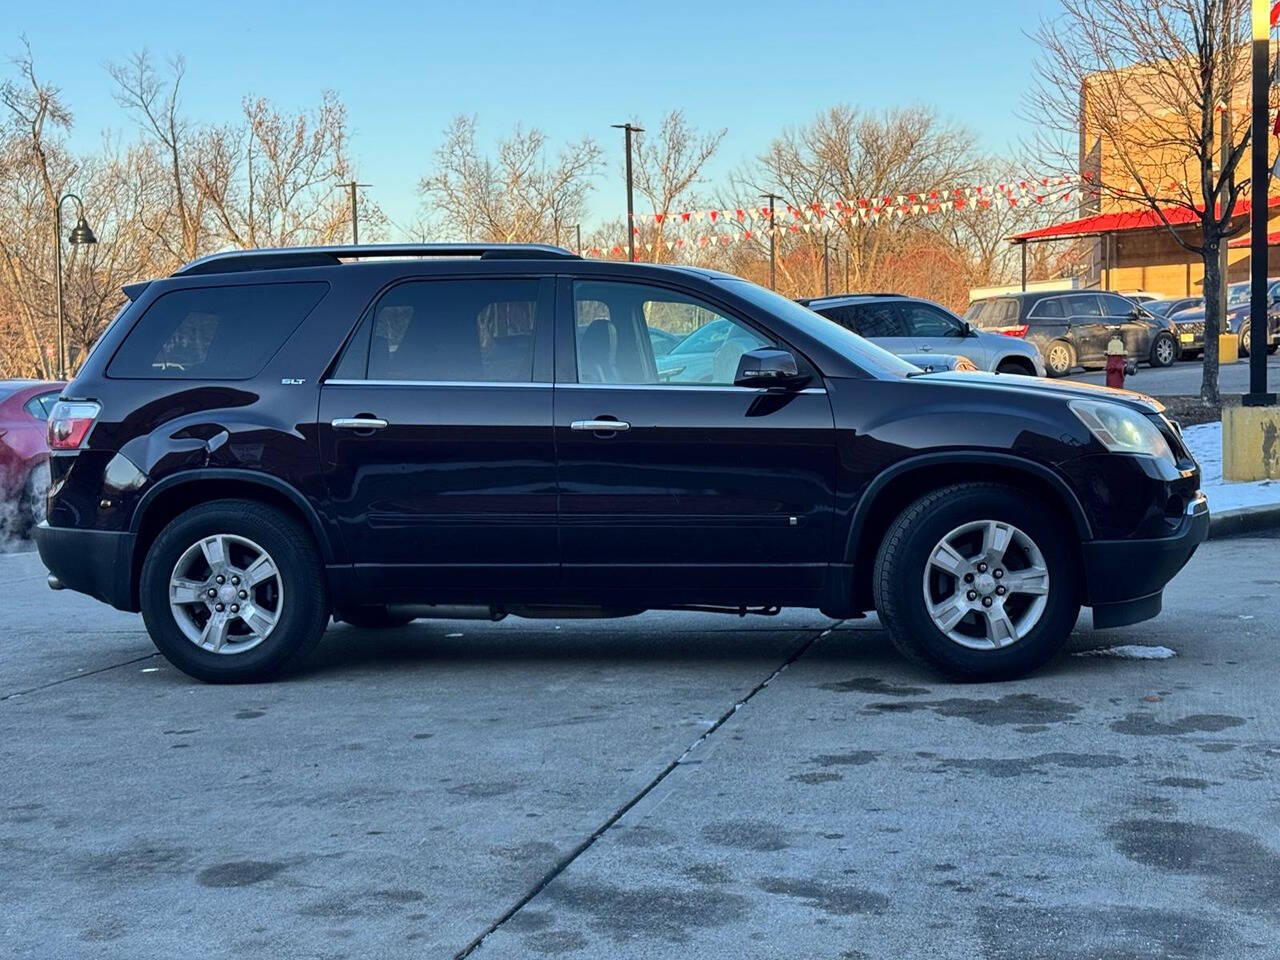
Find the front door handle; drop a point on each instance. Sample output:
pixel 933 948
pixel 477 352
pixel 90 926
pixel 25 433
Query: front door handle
pixel 601 426
pixel 358 423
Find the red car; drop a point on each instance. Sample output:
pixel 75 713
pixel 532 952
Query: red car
pixel 24 453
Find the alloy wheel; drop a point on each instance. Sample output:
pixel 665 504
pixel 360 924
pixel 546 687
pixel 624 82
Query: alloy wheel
pixel 986 585
pixel 226 594
pixel 1059 358
pixel 1164 351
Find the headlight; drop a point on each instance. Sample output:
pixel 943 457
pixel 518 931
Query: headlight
pixel 1120 429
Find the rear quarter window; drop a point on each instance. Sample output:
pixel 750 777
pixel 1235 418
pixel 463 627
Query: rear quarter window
pixel 214 333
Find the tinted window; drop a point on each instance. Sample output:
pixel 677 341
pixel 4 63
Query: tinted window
pixel 873 320
pixel 1117 306
pixel 617 324
pixel 923 320
pixel 214 333
pixel 449 330
pixel 994 313
pixel 1050 309
pixel 1082 305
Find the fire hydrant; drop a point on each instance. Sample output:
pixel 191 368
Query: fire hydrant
pixel 1116 365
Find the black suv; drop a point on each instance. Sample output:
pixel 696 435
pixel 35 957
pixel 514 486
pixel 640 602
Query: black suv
pixel 1072 328
pixel 268 439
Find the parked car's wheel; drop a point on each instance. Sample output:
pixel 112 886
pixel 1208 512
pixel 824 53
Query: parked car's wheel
pixel 1059 358
pixel 1018 367
pixel 1246 339
pixel 373 618
pixel 1273 348
pixel 234 591
pixel 1164 350
pixel 978 582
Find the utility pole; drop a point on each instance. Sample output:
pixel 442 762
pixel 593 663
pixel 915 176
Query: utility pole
pixel 1224 147
pixel 1259 184
pixel 773 241
pixel 578 229
pixel 352 186
pixel 628 130
pixel 846 270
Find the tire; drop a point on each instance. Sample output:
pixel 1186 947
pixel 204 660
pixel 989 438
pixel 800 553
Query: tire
pixel 291 592
pixel 1059 358
pixel 373 618
pixel 1164 350
pixel 1014 367
pixel 903 573
pixel 1273 348
pixel 1246 339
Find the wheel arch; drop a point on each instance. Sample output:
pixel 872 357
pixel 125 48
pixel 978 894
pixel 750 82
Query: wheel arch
pixel 176 493
pixel 892 491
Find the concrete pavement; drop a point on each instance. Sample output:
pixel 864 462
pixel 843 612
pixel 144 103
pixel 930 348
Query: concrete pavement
pixel 668 785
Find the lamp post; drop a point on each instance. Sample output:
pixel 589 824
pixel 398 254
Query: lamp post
pixel 80 234
pixel 773 247
pixel 631 217
pixel 1258 396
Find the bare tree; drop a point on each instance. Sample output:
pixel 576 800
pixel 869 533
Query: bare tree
pixel 1144 82
pixel 522 195
pixel 668 166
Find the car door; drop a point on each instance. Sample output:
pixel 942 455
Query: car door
pixel 436 440
pixel 1086 327
pixel 704 491
pixel 1134 325
pixel 934 330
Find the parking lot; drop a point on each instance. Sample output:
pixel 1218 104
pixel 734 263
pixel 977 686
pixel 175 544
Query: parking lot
pixel 668 785
pixel 1184 377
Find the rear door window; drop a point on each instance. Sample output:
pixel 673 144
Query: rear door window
pixel 214 333
pixel 994 314
pixel 1050 309
pixel 1083 305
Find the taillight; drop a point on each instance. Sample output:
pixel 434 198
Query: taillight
pixel 1015 331
pixel 70 422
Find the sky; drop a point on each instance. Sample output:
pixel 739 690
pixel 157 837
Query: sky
pixel 405 67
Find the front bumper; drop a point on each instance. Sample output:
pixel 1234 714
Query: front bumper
pixel 96 562
pixel 1125 579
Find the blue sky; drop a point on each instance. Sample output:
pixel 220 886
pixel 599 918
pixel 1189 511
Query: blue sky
pixel 571 68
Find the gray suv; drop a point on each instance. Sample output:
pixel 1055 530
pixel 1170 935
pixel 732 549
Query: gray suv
pixel 909 326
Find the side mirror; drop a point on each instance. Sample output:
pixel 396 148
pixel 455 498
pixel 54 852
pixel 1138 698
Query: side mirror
pixel 767 367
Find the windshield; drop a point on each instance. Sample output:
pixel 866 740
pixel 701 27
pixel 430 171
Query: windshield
pixel 1238 293
pixel 864 353
pixel 993 313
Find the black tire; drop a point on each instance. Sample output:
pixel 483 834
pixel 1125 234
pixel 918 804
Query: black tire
pixel 1164 350
pixel 304 612
pixel 1246 340
pixel 899 581
pixel 1015 367
pixel 1273 348
pixel 373 618
pixel 1059 358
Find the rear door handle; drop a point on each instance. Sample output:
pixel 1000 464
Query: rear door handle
pixel 600 426
pixel 358 423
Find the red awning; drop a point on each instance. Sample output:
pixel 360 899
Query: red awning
pixel 1146 219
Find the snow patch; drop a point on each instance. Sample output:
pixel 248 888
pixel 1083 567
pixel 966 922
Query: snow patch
pixel 1130 651
pixel 1205 443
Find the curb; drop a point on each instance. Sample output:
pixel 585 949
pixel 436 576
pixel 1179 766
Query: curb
pixel 1242 520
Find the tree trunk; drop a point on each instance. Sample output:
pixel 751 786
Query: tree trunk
pixel 1213 281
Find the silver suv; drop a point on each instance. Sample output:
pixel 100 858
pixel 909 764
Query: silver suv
pixel 908 326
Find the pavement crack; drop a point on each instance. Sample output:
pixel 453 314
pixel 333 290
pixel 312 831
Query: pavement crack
pixel 565 862
pixel 87 673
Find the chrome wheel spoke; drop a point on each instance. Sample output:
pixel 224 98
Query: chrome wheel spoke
pixel 1033 581
pixel 949 612
pixel 261 570
pixel 184 590
pixel 1000 629
pixel 995 540
pixel 259 621
pixel 215 552
pixel 945 557
pixel 215 631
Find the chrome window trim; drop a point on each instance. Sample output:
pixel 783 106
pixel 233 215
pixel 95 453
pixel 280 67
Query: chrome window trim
pixel 437 383
pixel 705 387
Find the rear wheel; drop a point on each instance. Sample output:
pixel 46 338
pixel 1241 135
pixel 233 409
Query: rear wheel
pixel 1059 358
pixel 977 582
pixel 1164 350
pixel 233 591
pixel 1246 339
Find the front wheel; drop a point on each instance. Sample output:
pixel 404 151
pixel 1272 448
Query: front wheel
pixel 233 591
pixel 1246 338
pixel 977 582
pixel 1164 350
pixel 1059 358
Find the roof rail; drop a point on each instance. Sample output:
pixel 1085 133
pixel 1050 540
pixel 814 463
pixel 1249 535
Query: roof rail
pixel 284 257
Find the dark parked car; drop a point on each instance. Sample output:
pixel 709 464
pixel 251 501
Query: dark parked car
pixel 1173 306
pixel 1191 322
pixel 1072 328
pixel 24 471
pixel 266 439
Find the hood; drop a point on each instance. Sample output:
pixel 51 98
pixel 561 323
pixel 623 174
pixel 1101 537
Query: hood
pixel 1016 386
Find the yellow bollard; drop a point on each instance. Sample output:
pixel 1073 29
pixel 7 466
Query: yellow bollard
pixel 1228 348
pixel 1250 443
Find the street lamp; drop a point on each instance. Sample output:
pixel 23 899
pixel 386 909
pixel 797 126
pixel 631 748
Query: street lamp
pixel 631 216
pixel 80 234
